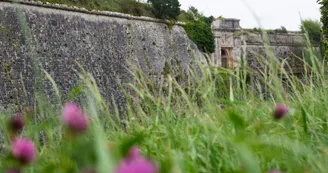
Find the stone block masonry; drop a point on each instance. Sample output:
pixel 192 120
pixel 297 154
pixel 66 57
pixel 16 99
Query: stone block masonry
pixel 102 42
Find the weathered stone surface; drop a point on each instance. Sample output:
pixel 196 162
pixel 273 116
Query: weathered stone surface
pixel 289 48
pixel 256 55
pixel 276 39
pixel 100 43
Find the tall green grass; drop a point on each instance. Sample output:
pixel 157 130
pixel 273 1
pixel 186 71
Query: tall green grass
pixel 204 123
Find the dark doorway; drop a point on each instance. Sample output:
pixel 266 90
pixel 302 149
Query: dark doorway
pixel 224 58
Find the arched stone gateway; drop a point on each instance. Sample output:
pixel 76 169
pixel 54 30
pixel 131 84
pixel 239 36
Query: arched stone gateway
pixel 226 58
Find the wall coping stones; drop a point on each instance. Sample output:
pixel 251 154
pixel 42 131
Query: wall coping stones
pixel 94 12
pixel 245 30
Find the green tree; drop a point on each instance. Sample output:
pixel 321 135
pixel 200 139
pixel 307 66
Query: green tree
pixel 201 34
pixel 207 20
pixel 193 13
pixel 166 9
pixel 283 29
pixel 324 21
pixel 313 29
pixel 184 16
pixel 198 28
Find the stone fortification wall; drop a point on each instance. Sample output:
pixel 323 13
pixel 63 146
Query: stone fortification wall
pixel 102 42
pixel 276 39
pixel 288 47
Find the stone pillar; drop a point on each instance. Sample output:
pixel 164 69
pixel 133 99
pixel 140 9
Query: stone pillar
pixel 216 56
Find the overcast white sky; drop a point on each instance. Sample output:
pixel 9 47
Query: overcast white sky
pixel 272 13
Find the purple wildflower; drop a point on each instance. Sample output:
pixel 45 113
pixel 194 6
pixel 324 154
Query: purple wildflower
pixel 275 171
pixel 24 150
pixel 139 165
pixel 74 118
pixel 133 153
pixel 13 171
pixel 16 123
pixel 135 163
pixel 280 111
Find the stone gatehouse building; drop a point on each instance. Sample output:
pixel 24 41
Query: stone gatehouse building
pixel 231 40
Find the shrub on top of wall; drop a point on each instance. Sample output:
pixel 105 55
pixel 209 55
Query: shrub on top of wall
pixel 166 9
pixel 135 8
pixel 281 30
pixel 313 29
pixel 201 33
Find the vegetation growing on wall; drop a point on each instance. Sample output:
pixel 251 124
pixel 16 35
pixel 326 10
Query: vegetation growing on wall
pixel 166 9
pixel 281 30
pixel 193 14
pixel 201 33
pixel 198 28
pixel 136 8
pixel 132 7
pixel 313 29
